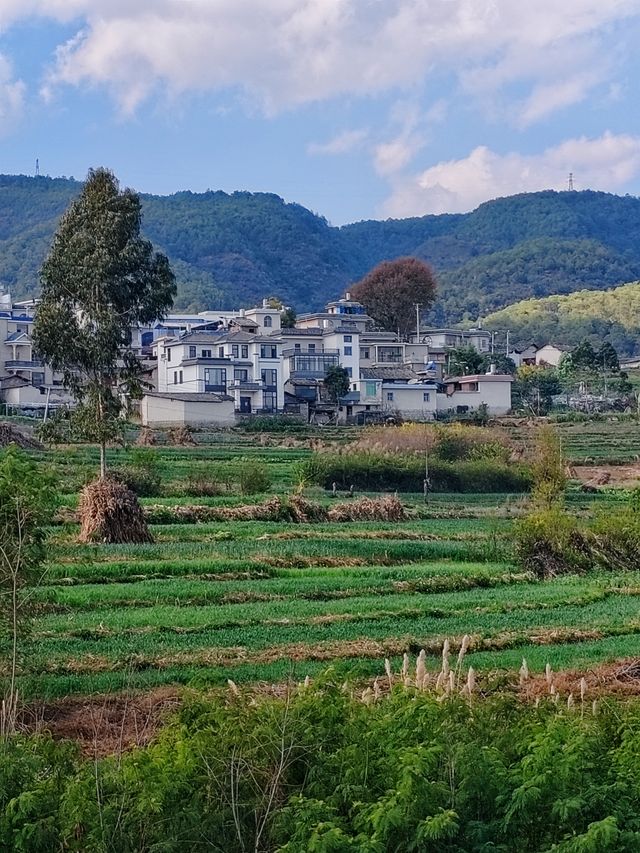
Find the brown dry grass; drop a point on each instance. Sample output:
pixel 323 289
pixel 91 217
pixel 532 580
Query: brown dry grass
pixel 181 437
pixel 10 435
pixel 387 508
pixel 110 512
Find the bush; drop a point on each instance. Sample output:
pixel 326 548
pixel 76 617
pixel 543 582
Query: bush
pixel 253 477
pixel 144 483
pixel 203 486
pixel 549 543
pixel 390 472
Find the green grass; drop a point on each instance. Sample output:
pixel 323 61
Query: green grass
pixel 344 595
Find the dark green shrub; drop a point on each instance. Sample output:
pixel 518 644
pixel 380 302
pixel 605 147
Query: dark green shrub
pixel 403 473
pixel 143 482
pixel 253 477
pixel 549 543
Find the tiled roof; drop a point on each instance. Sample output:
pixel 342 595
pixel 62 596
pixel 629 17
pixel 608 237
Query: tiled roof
pixel 402 373
pixel 190 398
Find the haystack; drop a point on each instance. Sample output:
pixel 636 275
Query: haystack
pixel 110 512
pixel 10 435
pixel 146 438
pixel 180 437
pixel 387 508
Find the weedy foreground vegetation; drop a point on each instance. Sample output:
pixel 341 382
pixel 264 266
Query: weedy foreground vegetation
pixel 264 573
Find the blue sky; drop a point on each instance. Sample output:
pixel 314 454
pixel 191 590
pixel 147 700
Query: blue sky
pixel 355 108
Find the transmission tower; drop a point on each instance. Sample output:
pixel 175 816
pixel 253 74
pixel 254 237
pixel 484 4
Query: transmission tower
pixel 570 181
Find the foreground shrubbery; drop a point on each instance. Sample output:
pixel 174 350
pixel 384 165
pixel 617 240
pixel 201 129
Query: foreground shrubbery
pixel 372 471
pixel 321 770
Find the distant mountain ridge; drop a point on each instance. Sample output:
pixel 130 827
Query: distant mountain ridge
pixel 597 315
pixel 233 249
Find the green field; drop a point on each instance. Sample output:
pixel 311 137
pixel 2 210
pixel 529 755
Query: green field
pixel 265 601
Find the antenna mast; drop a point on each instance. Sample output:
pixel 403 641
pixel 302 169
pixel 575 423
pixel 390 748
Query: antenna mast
pixel 37 167
pixel 570 182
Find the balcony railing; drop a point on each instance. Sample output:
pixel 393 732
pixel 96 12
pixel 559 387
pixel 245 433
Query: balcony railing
pixel 287 353
pixel 216 389
pixel 34 364
pixel 245 385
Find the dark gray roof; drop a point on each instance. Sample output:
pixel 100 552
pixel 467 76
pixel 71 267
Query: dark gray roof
pixel 13 382
pixel 312 330
pixel 303 382
pixel 400 372
pixel 343 330
pixel 245 322
pixel 198 338
pixel 186 397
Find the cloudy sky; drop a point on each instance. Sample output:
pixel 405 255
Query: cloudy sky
pixel 354 108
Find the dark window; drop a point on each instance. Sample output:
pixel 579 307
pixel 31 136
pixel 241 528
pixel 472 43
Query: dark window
pixel 348 351
pixel 244 351
pixel 215 379
pixel 206 353
pixel 268 351
pixel 221 352
pixel 269 400
pixel 296 347
pixel 364 352
pixel 175 377
pixel 168 350
pixel 241 375
pixel 312 348
pixel 234 350
pixel 268 322
pixel 270 378
pixel 37 379
pixel 347 339
pixel 181 377
pixel 192 352
pixel 390 396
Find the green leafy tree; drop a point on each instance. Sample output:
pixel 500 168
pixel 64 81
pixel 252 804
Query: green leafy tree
pixel 607 358
pixel 584 356
pixel 27 501
pixel 464 361
pixel 391 291
pixel 337 382
pixel 534 388
pixel 99 280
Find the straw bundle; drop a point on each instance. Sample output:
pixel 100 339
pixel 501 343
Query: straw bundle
pixel 110 512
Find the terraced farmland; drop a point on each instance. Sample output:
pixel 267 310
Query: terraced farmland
pixel 266 601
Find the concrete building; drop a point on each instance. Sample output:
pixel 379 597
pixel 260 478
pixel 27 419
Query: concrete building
pixel 462 394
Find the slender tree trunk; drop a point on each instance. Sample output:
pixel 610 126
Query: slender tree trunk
pixel 103 459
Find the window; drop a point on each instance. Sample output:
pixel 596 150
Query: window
pixel 215 379
pixel 244 350
pixel 175 377
pixel 370 389
pixel 220 352
pixel 348 339
pixel 235 351
pixel 389 396
pixel 241 375
pixel 22 329
pixel 206 353
pixel 364 352
pixel 268 322
pixel 181 377
pixel 168 352
pixel 192 352
pixel 268 351
pixel 269 401
pixel 426 397
pixel 348 351
pixel 270 378
pixel 349 371
pixel 311 348
pixel 296 347
pixel 37 379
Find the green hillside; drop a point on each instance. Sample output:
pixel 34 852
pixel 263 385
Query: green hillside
pixel 232 249
pixel 606 315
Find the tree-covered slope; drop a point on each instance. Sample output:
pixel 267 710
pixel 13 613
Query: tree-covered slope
pixel 233 249
pixel 604 315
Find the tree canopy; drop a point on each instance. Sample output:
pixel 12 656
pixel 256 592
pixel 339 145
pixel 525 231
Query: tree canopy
pixel 391 291
pixel 100 279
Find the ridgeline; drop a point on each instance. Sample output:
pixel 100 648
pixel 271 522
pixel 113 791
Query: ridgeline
pixel 233 249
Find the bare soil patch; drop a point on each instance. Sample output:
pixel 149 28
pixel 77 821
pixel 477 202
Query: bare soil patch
pixel 104 725
pixel 625 476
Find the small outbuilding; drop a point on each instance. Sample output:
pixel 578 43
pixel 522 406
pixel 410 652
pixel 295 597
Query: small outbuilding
pixel 166 409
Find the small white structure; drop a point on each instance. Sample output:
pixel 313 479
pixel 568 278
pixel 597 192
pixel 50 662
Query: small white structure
pixel 464 394
pixel 551 354
pixel 166 409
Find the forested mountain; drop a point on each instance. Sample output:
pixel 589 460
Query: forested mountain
pixel 233 249
pixel 598 315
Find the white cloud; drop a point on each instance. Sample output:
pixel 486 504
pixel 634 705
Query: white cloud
pixel 12 94
pixel 455 186
pixel 283 53
pixel 343 143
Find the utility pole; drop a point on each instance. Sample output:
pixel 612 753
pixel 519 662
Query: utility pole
pixel 417 322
